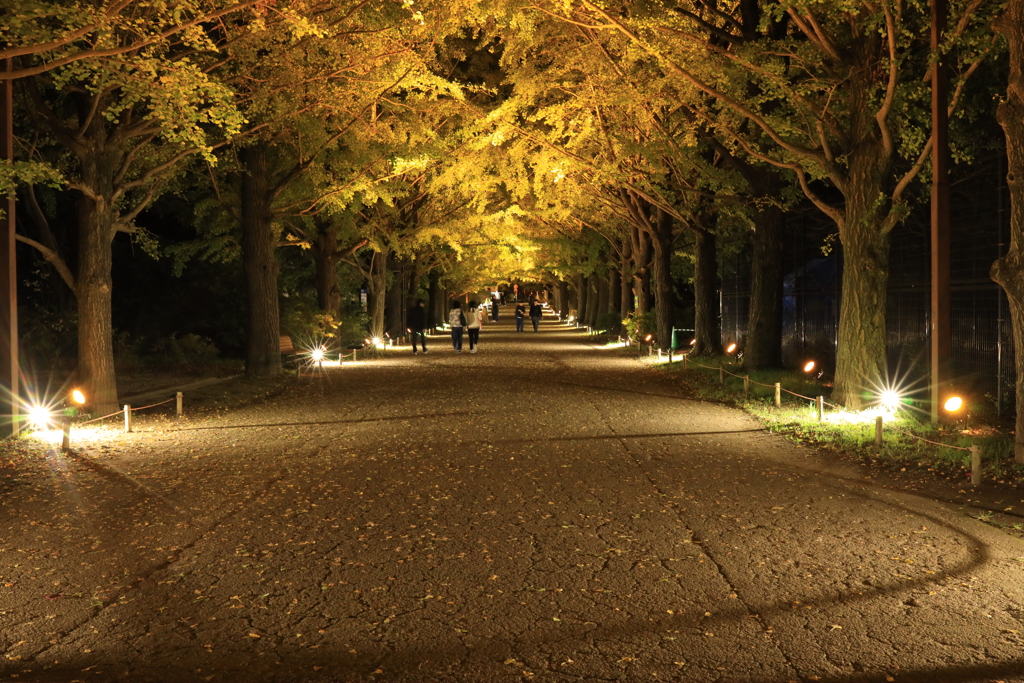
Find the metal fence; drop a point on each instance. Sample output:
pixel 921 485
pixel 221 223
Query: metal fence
pixel 982 338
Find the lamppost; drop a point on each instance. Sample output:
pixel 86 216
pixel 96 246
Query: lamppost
pixel 941 319
pixel 9 370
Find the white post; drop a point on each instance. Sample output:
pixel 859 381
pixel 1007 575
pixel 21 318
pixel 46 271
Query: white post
pixel 684 360
pixel 820 404
pixel 878 432
pixel 65 444
pixel 778 394
pixel 746 385
pixel 975 465
pixel 127 418
pixel 721 374
pixel 180 403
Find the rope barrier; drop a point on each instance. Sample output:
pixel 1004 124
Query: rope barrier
pixel 975 451
pixel 154 405
pixel 934 443
pixel 97 419
pixel 121 412
pixel 793 393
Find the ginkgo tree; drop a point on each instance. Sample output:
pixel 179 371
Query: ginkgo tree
pixel 119 111
pixel 832 94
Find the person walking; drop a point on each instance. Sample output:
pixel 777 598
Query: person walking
pixel 457 321
pixel 535 313
pixel 520 317
pixel 417 320
pixel 474 323
pixel 494 310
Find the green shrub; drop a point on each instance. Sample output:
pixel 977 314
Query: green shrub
pixel 639 325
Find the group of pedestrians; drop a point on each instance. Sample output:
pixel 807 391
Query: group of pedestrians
pixel 468 323
pixel 535 314
pixel 472 321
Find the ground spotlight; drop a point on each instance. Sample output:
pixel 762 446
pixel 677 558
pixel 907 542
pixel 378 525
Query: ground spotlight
pixel 811 368
pixel 731 349
pixel 40 417
pixel 317 354
pixel 78 397
pixel 890 400
pixel 648 338
pixel 953 404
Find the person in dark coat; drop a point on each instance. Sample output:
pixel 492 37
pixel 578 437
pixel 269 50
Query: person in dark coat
pixel 520 317
pixel 417 321
pixel 494 310
pixel 535 313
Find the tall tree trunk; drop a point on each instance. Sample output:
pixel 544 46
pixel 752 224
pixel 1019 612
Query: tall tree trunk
pixel 434 297
pixel 563 299
pixel 592 300
pixel 259 258
pixel 664 294
pixel 615 291
pixel 603 298
pixel 642 270
pixel 582 295
pixel 861 364
pixel 95 285
pixel 396 297
pixel 706 294
pixel 1008 271
pixel 860 348
pixel 764 330
pixel 626 298
pixel 325 279
pixel 376 290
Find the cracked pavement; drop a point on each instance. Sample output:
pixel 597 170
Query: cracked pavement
pixel 543 510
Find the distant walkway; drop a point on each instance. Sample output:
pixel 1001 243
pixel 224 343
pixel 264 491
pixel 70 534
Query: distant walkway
pixel 544 510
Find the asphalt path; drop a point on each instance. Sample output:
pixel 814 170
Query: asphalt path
pixel 543 510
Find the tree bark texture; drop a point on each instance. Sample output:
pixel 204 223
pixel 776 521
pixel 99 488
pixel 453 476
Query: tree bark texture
pixel 615 291
pixel 434 298
pixel 664 296
pixel 376 291
pixel 563 299
pixel 96 217
pixel 764 329
pixel 603 297
pixel 325 279
pixel 642 270
pixel 396 297
pixel 592 300
pixel 706 294
pixel 1008 271
pixel 259 258
pixel 626 283
pixel 582 295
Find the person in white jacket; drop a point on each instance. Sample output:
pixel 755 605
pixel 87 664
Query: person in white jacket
pixel 456 320
pixel 474 323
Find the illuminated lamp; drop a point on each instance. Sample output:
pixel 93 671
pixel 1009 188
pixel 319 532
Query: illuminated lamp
pixel 890 400
pixel 953 404
pixel 39 417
